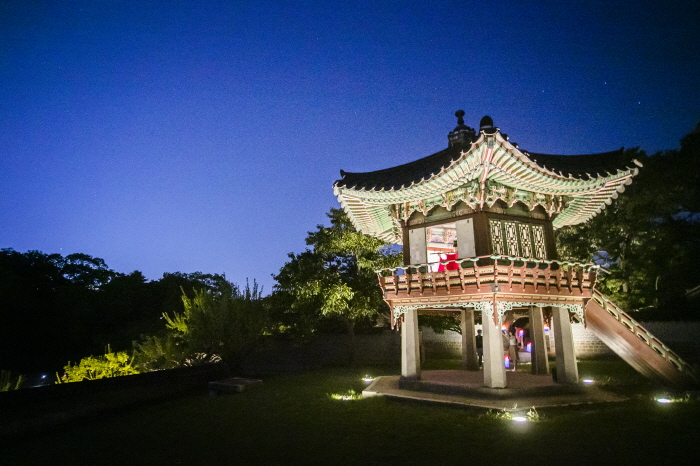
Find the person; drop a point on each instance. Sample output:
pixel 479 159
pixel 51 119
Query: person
pixel 512 349
pixel 506 341
pixel 479 346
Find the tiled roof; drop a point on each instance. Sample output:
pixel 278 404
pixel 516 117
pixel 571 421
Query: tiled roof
pixel 402 175
pixel 479 168
pixel 394 178
pixel 581 165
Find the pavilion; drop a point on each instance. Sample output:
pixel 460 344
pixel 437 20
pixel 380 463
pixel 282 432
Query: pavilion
pixel 476 221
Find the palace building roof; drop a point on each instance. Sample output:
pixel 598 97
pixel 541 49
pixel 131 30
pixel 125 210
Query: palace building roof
pixel 479 169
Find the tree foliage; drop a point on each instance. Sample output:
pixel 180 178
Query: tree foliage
pixel 223 323
pixel 9 382
pixel 334 278
pixel 648 239
pixel 57 308
pixel 111 364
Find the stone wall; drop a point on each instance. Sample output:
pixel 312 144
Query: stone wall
pixel 585 342
pixel 681 337
pixel 385 347
pixel 441 345
pixel 38 409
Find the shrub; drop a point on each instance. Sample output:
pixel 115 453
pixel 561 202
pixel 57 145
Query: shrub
pixel 99 367
pixel 8 382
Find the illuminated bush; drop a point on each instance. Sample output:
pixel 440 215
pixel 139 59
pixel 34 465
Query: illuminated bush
pixel 99 367
pixel 8 382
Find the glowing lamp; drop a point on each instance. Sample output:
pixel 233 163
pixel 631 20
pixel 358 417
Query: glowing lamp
pixel 528 347
pixel 587 380
pixel 507 361
pixel 664 400
pixel 546 328
pixel 519 418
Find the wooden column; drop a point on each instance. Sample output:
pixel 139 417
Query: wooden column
pixel 410 346
pixel 550 241
pixel 540 362
pixel 494 370
pixel 406 248
pixel 567 371
pixel 482 243
pixel 470 360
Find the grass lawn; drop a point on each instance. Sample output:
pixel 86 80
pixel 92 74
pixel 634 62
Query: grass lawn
pixel 292 420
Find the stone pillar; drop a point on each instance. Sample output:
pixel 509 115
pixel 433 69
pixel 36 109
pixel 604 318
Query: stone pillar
pixel 567 371
pixel 540 362
pixel 470 360
pixel 494 370
pixel 410 346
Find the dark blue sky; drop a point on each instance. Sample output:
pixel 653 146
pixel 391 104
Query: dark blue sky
pixel 205 136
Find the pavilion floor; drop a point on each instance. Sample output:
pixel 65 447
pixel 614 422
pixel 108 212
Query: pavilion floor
pixel 467 388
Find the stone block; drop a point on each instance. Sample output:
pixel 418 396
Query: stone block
pixel 232 385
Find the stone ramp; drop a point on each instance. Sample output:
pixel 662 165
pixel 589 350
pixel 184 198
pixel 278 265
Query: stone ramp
pixel 465 388
pixel 639 348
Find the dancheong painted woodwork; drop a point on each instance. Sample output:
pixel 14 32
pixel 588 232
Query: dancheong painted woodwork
pixel 477 221
pixel 483 172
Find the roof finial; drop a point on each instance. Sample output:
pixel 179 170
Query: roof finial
pixel 462 134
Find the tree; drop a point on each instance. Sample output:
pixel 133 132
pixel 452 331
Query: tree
pixel 82 269
pixel 336 277
pixel 648 238
pixel 225 323
pixel 45 318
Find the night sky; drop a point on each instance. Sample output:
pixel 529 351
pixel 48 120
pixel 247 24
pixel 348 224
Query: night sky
pixel 206 136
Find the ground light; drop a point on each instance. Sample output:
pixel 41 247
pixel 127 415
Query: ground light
pixel 667 399
pixel 514 414
pixel 347 396
pixel 588 381
pixel 367 378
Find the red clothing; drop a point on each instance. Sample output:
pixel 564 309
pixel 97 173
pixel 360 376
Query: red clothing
pixel 452 265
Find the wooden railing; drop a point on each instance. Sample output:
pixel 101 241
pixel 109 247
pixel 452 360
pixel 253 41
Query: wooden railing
pixel 650 340
pixel 478 274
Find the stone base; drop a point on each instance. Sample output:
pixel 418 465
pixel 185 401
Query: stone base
pixel 462 384
pixel 524 356
pixel 232 385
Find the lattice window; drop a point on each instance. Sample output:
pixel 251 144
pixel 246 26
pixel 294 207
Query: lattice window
pixel 525 240
pixel 512 238
pixel 497 236
pixel 538 240
pixel 517 239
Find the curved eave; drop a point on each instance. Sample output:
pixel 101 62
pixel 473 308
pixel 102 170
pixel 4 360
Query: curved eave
pixel 490 157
